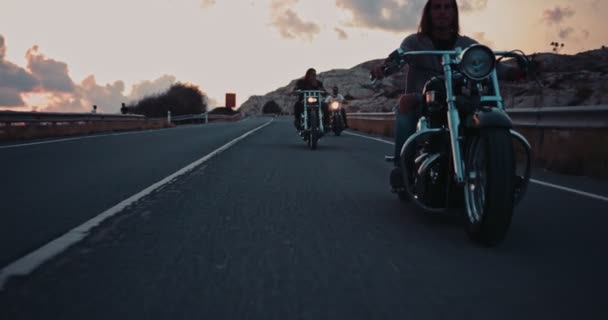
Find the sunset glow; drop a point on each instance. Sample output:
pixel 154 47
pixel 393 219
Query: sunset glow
pixel 66 55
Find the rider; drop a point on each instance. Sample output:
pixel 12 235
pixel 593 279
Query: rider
pixel 438 30
pixel 336 96
pixel 309 82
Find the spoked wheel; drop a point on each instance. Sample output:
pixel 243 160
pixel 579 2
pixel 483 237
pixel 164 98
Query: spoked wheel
pixel 488 189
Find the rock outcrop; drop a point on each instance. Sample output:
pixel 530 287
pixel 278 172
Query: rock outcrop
pixel 568 80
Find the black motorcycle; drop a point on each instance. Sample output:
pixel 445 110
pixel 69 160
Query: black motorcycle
pixel 312 117
pixel 463 152
pixel 335 116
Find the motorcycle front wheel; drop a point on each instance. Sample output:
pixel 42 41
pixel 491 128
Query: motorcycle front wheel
pixel 488 189
pixel 314 131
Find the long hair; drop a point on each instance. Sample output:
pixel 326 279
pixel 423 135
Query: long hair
pixel 309 72
pixel 426 21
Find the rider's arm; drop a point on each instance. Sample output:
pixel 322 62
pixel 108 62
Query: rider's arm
pixel 297 86
pixel 394 62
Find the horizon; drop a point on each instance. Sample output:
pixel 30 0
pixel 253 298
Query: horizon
pixel 85 56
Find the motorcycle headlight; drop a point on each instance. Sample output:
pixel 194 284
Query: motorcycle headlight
pixel 335 105
pixel 312 100
pixel 477 62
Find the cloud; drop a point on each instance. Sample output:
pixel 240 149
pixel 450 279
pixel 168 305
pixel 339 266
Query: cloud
pixel 15 77
pixel 342 35
pixel 14 80
pixel 10 97
pixel 387 15
pixel 472 5
pixel 289 24
pixel 557 15
pixel 481 38
pixel 45 85
pixel 66 102
pixel 564 33
pixel 147 88
pixel 52 74
pixel 206 4
pixel 394 15
pixel 107 97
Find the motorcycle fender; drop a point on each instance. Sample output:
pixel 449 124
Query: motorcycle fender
pixel 489 117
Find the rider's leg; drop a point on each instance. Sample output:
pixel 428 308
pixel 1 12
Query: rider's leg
pixel 325 109
pixel 406 116
pixel 343 112
pixel 298 109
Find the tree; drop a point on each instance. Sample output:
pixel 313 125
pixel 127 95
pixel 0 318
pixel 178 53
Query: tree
pixel 556 46
pixel 180 99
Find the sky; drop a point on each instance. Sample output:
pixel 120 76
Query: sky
pixel 66 55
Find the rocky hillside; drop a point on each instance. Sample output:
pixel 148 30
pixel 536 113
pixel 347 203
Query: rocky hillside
pixel 568 80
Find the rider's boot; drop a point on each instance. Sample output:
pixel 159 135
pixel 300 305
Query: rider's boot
pixel 298 124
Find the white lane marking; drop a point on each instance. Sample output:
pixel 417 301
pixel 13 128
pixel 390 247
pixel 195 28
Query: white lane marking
pixel 582 193
pixel 368 137
pixel 31 261
pixel 543 183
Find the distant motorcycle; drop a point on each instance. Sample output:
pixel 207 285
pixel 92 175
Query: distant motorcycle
pixel 312 117
pixel 463 148
pixel 336 119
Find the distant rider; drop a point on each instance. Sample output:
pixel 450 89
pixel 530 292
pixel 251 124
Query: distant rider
pixel 309 82
pixel 336 96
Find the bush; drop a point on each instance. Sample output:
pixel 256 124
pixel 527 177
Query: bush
pixel 180 99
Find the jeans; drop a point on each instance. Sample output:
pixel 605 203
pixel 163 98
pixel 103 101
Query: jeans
pixel 405 126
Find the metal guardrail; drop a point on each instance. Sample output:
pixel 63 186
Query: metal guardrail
pixel 577 117
pixel 561 117
pixel 190 117
pixel 9 117
pixel 203 116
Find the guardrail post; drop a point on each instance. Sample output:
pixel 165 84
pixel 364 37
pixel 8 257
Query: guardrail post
pixel 169 116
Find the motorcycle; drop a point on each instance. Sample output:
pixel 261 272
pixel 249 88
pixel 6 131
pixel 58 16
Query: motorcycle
pixel 312 117
pixel 336 120
pixel 462 154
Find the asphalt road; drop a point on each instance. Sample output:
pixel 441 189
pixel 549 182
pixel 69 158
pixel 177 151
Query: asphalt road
pixel 268 229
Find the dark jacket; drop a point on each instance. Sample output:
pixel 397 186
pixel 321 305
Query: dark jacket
pixel 302 84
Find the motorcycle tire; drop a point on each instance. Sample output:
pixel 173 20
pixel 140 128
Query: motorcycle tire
pixel 488 212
